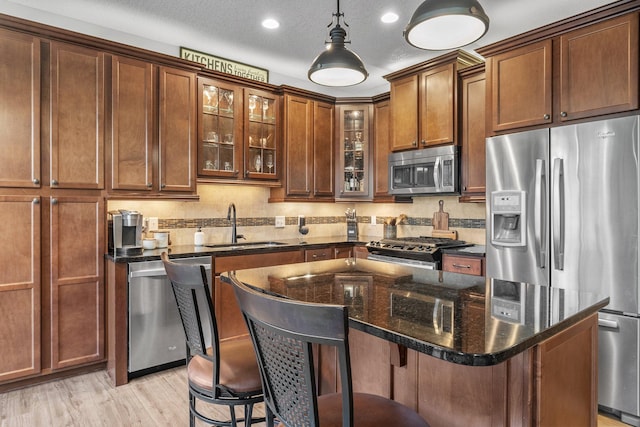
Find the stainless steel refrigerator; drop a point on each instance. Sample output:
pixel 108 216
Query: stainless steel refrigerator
pixel 562 210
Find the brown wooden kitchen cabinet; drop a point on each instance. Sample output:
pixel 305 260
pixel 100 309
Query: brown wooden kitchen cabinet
pixel 354 147
pixel 308 159
pixel 76 112
pixel 463 264
pixel 76 274
pixel 20 118
pixel 20 286
pixel 424 102
pixel 261 137
pixel 153 128
pixel 381 150
pixel 472 134
pixel 329 252
pixel 597 73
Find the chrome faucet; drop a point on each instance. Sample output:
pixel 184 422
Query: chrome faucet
pixel 234 235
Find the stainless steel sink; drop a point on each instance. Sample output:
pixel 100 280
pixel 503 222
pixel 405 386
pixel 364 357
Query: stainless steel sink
pixel 246 245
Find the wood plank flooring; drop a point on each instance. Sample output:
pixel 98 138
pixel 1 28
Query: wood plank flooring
pixel 89 400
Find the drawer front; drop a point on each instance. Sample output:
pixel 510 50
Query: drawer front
pixel 465 265
pixel 319 254
pixel 343 252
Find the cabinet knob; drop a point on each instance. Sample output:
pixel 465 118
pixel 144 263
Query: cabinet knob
pixel 54 201
pixel 36 181
pixel 563 114
pixel 423 142
pixel 414 143
pixel 546 117
pixel 149 185
pixel 163 185
pixel 54 182
pixel 36 201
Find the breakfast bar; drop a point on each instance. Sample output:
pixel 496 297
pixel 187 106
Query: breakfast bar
pixel 461 350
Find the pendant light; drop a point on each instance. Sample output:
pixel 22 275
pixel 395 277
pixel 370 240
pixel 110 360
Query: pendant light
pixel 446 24
pixel 337 65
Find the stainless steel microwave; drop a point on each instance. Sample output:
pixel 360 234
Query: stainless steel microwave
pixel 431 170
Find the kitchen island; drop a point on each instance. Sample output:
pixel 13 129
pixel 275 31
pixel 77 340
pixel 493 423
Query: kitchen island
pixel 459 349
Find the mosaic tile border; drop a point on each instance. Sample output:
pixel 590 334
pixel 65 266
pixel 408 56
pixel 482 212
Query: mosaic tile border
pixel 168 224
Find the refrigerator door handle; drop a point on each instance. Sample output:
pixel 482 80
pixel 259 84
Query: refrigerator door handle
pixel 539 212
pixel 436 174
pixel 558 213
pixel 612 324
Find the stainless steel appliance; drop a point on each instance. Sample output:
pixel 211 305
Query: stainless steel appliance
pixel 426 171
pixel 125 232
pixel 423 251
pixel 562 210
pixel 156 334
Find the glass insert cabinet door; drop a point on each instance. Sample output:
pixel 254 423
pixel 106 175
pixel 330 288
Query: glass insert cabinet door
pixel 355 147
pixel 219 147
pixel 261 156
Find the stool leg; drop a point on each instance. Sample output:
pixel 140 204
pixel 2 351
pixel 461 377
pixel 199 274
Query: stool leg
pixel 248 413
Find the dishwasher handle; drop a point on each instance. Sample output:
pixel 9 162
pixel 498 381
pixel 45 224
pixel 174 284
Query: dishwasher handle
pixel 155 272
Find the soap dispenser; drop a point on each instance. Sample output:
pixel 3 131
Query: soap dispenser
pixel 198 237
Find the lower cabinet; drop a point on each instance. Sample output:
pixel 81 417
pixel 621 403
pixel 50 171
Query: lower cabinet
pixel 463 264
pixel 51 284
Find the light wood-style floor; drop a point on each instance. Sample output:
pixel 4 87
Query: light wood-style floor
pixel 89 400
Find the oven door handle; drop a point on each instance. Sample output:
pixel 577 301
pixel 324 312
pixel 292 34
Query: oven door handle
pixel 437 316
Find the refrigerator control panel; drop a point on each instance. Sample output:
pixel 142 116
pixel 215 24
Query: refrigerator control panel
pixel 508 218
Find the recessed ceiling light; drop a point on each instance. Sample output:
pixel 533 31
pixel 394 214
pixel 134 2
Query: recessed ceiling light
pixel 270 23
pixel 389 17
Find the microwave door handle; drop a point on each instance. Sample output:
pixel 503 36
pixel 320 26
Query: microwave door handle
pixel 437 174
pixel 540 204
pixel 437 314
pixel 558 213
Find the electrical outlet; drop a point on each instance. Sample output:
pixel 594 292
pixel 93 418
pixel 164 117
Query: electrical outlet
pixel 153 223
pixel 373 220
pixel 280 222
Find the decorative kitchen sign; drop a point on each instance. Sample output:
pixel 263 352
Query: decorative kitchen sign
pixel 224 65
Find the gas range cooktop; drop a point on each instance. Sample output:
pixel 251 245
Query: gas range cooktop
pixel 423 248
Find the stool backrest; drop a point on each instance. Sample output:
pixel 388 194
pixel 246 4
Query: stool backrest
pixel 187 281
pixel 283 331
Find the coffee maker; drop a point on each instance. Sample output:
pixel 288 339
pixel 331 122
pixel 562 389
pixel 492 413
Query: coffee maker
pixel 125 232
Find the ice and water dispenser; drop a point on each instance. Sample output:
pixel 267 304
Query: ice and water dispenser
pixel 508 218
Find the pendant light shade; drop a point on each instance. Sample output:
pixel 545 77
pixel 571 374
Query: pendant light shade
pixel 337 65
pixel 446 24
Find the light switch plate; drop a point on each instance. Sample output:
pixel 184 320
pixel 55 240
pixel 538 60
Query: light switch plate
pixel 373 220
pixel 152 223
pixel 280 222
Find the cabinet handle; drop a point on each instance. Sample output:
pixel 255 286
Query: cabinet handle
pixel 36 181
pixel 322 255
pixel 563 114
pixel 54 201
pixel 461 266
pixel 163 185
pixel 423 142
pixel 149 185
pixel 414 143
pixel 546 117
pixel 36 201
pixel 54 182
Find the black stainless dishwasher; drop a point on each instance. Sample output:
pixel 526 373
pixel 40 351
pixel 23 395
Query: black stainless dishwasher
pixel 156 335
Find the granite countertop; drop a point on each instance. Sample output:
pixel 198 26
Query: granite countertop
pixel 474 250
pixel 186 251
pixel 479 322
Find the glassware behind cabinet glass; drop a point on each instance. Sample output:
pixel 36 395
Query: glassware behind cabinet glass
pixel 270 162
pixel 252 106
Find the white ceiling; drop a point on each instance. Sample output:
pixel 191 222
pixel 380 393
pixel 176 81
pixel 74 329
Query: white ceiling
pixel 232 29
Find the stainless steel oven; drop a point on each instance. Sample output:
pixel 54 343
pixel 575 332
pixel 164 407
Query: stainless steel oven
pixel 426 171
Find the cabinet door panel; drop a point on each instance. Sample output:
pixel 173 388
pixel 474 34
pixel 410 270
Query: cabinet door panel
pixel 132 125
pixel 381 150
pixel 77 117
pixel 298 134
pixel 19 110
pixel 438 106
pixel 177 136
pixel 521 85
pixel 323 164
pixel 77 287
pixel 473 137
pixel 599 69
pixel 404 113
pixel 20 287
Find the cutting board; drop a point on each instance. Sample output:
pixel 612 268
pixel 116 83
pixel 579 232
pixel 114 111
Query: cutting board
pixel 440 224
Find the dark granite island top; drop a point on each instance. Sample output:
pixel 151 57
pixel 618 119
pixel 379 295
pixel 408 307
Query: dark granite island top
pixel 454 317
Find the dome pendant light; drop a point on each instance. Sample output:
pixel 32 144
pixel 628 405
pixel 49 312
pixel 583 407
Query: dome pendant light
pixel 337 65
pixel 446 24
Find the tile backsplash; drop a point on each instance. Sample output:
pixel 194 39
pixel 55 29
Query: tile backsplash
pixel 256 217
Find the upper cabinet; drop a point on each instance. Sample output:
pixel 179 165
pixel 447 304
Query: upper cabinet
pixel 423 109
pixel 308 154
pixel 152 129
pixel 544 79
pixel 261 135
pixel 77 117
pixel 472 134
pixel 20 116
pixel 354 148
